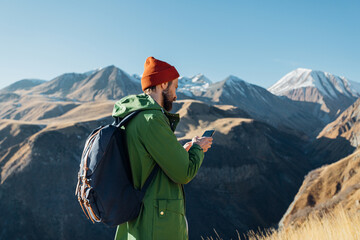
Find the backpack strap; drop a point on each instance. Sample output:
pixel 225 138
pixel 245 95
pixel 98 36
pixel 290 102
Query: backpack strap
pixel 150 178
pixel 120 122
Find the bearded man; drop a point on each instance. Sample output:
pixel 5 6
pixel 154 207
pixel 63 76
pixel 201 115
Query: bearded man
pixel 151 141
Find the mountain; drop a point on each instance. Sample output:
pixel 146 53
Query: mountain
pixel 193 86
pixel 264 106
pixel 108 83
pixel 325 188
pixel 103 84
pixel 24 84
pixel 61 85
pixel 338 139
pixel 347 126
pixel 332 92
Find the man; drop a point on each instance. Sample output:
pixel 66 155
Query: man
pixel 151 140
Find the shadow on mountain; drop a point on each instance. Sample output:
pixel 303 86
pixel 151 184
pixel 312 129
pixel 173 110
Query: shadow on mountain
pixel 246 184
pixel 37 190
pixel 326 150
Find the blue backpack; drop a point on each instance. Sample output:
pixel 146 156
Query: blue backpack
pixel 105 189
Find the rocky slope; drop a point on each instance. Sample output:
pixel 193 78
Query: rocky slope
pixel 346 126
pixel 325 188
pixel 338 139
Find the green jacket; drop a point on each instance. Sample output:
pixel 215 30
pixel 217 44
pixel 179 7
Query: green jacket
pixel 151 141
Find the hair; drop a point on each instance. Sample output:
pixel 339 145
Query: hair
pixel 153 88
pixel 150 89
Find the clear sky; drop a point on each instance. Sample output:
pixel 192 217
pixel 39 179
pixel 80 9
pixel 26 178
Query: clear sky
pixel 257 41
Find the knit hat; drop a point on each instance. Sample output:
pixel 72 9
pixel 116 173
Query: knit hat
pixel 157 72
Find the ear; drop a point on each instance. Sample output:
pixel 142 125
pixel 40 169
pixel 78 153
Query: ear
pixel 164 85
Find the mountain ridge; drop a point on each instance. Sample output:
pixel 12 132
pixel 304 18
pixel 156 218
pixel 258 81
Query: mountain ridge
pixel 332 92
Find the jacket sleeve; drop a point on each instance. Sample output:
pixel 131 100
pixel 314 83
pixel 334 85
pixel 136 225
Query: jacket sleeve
pixel 161 143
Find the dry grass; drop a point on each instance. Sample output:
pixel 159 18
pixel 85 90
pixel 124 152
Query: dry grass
pixel 338 224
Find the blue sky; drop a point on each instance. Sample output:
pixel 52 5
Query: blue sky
pixel 257 41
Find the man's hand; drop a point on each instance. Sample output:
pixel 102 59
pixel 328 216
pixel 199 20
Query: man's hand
pixel 187 146
pixel 203 142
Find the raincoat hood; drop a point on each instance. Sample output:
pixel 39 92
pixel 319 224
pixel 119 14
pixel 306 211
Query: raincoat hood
pixel 142 101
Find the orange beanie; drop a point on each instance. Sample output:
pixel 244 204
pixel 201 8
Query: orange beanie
pixel 157 72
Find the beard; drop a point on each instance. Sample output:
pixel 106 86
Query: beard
pixel 167 101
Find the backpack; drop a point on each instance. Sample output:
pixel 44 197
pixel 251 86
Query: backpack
pixel 105 189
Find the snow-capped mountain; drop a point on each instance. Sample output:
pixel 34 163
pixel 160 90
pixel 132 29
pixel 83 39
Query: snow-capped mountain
pixel 332 92
pixel 229 90
pixel 263 105
pixel 193 86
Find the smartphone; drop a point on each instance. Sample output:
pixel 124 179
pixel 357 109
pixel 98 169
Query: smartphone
pixel 208 133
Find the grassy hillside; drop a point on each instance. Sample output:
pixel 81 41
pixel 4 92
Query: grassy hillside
pixel 337 224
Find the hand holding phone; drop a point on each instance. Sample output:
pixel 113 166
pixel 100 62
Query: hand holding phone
pixel 205 141
pixel 208 133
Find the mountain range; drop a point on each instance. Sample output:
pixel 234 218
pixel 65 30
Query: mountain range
pixel 304 116
pixel 264 145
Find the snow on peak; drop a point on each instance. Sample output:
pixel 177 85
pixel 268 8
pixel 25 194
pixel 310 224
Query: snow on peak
pixel 193 85
pixel 201 79
pixel 328 84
